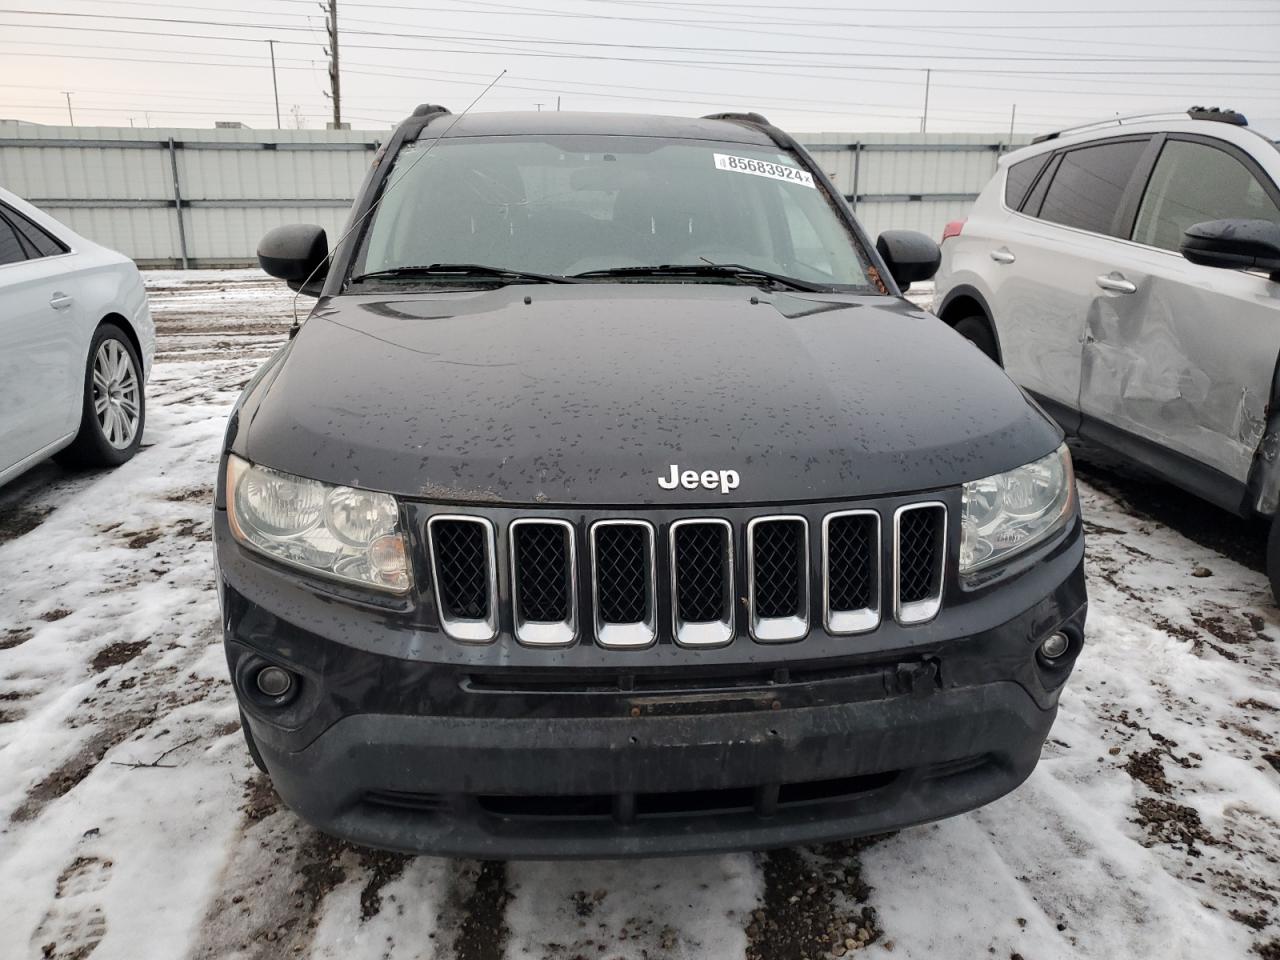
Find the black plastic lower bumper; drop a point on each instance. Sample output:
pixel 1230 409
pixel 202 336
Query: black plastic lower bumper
pixel 661 785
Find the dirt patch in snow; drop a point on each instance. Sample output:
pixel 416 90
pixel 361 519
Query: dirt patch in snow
pixel 1255 920
pixel 1227 633
pixel 116 654
pixel 1146 768
pixel 1169 822
pixel 53 616
pixel 383 866
pixel 200 494
pixel 16 521
pixel 136 540
pixel 69 774
pixel 260 799
pixel 14 636
pixel 483 933
pixel 815 904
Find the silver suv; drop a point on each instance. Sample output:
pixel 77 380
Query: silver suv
pixel 1127 275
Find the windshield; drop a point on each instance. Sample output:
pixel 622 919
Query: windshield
pixel 568 205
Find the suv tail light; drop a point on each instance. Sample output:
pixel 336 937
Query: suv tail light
pixel 952 229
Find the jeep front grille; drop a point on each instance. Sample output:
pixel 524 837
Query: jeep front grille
pixel 851 570
pixel 624 583
pixel 702 582
pixel 778 578
pixel 543 576
pixel 465 576
pixel 870 565
pixel 918 560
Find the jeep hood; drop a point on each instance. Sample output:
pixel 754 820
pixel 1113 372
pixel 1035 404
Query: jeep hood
pixel 587 394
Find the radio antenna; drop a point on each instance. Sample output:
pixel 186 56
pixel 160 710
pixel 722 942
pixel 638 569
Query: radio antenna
pixel 387 189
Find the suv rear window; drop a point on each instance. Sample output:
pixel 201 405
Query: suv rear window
pixel 1088 184
pixel 1019 179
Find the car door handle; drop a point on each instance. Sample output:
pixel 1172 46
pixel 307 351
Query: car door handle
pixel 1003 255
pixel 60 301
pixel 1116 283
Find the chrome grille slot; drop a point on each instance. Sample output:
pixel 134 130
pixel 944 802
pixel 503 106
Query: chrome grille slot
pixel 702 606
pixel 464 574
pixel 778 578
pixel 543 580
pixel 623 583
pixel 919 558
pixel 851 570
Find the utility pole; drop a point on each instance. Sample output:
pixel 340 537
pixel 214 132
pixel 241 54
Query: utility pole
pixel 539 106
pixel 924 120
pixel 335 88
pixel 70 116
pixel 1013 115
pixel 275 89
pixel 557 103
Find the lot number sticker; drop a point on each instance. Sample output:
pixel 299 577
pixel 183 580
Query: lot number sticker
pixel 763 168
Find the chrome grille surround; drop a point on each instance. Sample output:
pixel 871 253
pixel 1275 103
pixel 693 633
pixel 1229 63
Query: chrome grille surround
pixel 777 629
pixel 703 633
pixel 545 633
pixel 866 564
pixel 482 629
pixel 857 620
pixel 625 634
pixel 922 609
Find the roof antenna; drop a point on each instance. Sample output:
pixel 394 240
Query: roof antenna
pixel 293 330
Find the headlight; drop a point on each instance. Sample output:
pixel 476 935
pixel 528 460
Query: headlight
pixel 1010 512
pixel 341 532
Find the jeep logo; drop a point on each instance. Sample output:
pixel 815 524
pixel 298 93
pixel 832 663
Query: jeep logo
pixel 725 480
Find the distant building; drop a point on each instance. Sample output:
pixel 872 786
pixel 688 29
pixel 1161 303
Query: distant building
pixel 229 125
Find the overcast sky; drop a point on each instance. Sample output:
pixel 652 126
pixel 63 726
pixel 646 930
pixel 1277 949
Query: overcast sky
pixel 809 66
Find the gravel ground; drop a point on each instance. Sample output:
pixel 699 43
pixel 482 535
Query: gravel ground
pixel 134 825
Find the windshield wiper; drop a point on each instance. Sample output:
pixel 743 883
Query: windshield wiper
pixel 729 271
pixel 461 271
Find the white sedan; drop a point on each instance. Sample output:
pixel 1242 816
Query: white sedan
pixel 76 345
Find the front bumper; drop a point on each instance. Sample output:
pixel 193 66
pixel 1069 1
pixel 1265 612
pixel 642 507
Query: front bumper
pixel 502 789
pixel 400 739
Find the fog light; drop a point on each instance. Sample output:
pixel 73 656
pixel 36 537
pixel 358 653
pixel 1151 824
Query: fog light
pixel 1055 646
pixel 273 682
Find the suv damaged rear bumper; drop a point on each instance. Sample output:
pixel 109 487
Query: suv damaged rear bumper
pixel 398 738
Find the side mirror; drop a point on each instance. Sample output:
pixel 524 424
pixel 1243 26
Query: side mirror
pixel 298 254
pixel 910 256
pixel 1235 245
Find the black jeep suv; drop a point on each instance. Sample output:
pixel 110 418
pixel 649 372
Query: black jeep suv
pixel 613 501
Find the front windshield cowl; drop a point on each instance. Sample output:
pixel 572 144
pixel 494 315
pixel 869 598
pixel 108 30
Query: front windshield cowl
pixel 543 208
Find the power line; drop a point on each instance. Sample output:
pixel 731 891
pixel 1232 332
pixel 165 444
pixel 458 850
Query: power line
pixel 751 66
pixel 646 46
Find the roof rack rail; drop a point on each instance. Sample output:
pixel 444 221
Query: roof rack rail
pixel 1195 113
pixel 740 117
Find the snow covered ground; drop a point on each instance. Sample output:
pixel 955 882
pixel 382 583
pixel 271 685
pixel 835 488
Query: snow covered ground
pixel 135 827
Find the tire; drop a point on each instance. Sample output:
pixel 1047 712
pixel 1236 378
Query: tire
pixel 251 743
pixel 113 385
pixel 978 331
pixel 1273 559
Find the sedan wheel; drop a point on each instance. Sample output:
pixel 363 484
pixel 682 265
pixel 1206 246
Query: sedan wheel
pixel 117 395
pixel 113 410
